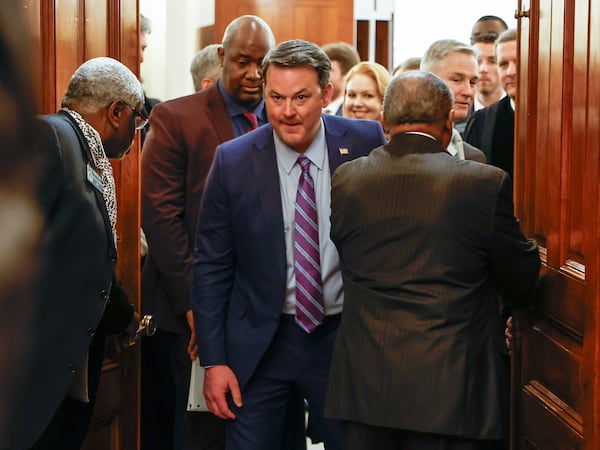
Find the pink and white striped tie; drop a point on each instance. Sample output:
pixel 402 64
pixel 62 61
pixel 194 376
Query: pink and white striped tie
pixel 310 310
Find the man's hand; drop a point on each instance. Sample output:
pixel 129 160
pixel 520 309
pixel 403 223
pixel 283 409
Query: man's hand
pixel 192 346
pixel 218 381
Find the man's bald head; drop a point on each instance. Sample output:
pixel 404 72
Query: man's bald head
pixel 418 101
pixel 248 24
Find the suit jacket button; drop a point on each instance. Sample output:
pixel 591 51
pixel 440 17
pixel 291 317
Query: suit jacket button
pixel 72 368
pixel 91 332
pixel 104 294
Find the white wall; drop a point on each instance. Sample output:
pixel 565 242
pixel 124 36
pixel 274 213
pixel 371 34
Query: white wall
pixel 418 23
pixel 172 44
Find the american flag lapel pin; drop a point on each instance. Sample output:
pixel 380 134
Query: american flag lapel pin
pixel 343 151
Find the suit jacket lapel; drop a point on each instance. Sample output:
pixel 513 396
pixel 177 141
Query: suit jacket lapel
pixel 218 114
pixel 264 163
pixel 88 159
pixel 339 147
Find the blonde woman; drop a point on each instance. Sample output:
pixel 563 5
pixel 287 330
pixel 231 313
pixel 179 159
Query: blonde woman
pixel 365 85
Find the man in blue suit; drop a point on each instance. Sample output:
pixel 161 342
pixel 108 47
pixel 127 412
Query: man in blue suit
pixel 249 278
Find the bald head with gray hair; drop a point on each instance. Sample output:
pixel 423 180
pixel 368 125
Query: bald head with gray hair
pixel 435 55
pixel 100 81
pixel 416 97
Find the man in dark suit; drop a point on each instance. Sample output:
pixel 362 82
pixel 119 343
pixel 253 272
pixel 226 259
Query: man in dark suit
pixel 456 64
pixel 493 128
pixel 425 241
pixel 177 155
pixel 267 292
pixel 77 299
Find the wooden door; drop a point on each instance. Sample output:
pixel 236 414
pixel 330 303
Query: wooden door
pixel 65 34
pixel 556 348
pixel 321 22
pixel 381 39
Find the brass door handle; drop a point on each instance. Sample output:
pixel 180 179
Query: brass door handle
pixel 146 327
pixel 520 13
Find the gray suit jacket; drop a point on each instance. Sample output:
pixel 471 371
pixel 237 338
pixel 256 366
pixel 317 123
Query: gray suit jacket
pixel 426 243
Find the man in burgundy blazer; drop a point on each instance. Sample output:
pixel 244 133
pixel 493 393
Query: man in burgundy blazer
pixel 177 154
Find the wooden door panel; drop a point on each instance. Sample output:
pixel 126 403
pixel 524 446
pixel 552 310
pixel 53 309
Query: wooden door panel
pixel 67 52
pixel 547 344
pixel 591 199
pixel 548 432
pixel 576 214
pixel 320 25
pixel 563 301
pixel 555 370
pixel 319 21
pixel 95 14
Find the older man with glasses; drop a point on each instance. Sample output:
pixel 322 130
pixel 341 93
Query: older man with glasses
pixel 76 300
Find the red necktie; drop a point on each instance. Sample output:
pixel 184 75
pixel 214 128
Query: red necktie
pixel 252 119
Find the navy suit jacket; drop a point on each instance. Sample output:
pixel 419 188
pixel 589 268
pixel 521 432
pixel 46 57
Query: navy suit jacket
pixel 239 265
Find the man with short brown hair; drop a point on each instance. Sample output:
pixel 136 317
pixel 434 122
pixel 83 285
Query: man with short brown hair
pixel 343 57
pixel 493 128
pixel 489 89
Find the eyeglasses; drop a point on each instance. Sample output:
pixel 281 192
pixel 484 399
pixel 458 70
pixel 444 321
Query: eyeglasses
pixel 141 117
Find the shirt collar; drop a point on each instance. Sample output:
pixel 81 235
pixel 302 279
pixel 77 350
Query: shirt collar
pixel 234 108
pixel 455 148
pixel 334 105
pixel 421 134
pixel 315 152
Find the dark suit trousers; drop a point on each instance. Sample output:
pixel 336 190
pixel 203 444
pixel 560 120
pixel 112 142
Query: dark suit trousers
pixel 69 426
pixel 166 425
pixel 294 360
pixel 359 436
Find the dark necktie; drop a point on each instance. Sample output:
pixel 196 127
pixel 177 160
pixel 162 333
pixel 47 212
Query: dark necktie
pixel 252 119
pixel 310 310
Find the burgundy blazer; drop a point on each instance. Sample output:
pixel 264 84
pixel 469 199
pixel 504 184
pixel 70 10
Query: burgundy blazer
pixel 177 154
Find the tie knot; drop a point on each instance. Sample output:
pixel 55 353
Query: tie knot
pixel 252 119
pixel 304 162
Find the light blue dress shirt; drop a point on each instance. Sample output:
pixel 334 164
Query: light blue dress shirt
pixel 289 175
